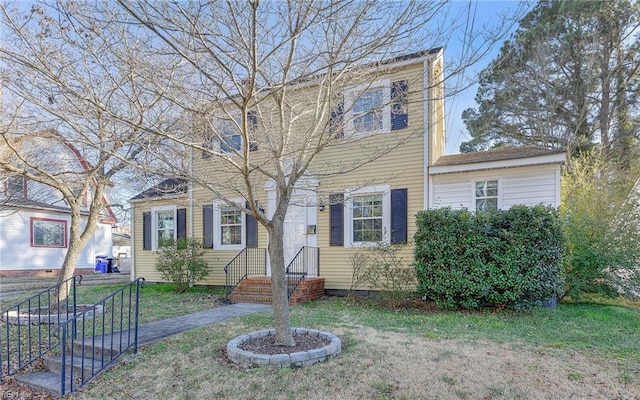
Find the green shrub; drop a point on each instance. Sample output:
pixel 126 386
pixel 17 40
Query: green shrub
pixel 180 262
pixel 506 258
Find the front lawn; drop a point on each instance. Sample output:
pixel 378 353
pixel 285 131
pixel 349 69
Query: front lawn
pixel 585 350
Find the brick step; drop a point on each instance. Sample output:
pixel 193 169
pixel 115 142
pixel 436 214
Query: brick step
pixel 258 299
pixel 258 290
pixel 249 289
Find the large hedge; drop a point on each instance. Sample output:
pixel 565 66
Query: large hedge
pixel 510 258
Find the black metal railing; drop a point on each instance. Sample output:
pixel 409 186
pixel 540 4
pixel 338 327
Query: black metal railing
pixel 29 330
pixel 306 262
pixel 93 339
pixel 251 261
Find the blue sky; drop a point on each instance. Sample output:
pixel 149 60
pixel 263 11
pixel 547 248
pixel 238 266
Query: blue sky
pixel 486 12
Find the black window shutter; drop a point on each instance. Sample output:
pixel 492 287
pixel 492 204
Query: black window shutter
pixel 399 213
pixel 399 105
pixel 336 120
pixel 181 224
pixel 251 231
pixel 252 122
pixel 207 226
pixel 336 211
pixel 146 231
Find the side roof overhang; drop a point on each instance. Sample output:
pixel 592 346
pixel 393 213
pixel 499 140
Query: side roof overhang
pixel 36 206
pixel 496 159
pixel 169 188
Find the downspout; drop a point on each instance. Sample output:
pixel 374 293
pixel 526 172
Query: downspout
pixel 190 195
pixel 133 243
pixel 190 203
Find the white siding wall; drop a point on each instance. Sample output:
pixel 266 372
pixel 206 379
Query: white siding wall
pixel 16 252
pixel 522 185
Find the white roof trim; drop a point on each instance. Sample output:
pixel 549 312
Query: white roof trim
pixel 557 158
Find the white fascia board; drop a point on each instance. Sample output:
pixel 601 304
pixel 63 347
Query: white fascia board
pixel 558 158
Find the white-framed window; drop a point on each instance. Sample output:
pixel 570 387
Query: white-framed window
pixel 46 232
pixel 229 224
pixel 367 217
pixel 368 109
pixel 228 139
pixel 231 140
pixel 486 195
pixel 163 225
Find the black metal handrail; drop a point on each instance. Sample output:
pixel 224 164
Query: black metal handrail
pixel 250 261
pixel 305 262
pixel 29 331
pixel 93 339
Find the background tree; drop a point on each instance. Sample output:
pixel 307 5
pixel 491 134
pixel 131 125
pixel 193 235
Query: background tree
pixel 601 215
pixel 567 79
pixel 70 82
pixel 274 72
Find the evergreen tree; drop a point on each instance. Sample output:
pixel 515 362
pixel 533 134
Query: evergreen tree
pixel 567 79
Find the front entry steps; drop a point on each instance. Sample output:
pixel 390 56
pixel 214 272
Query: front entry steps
pixel 51 381
pixel 258 290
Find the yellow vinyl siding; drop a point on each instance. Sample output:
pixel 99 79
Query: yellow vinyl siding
pixel 402 167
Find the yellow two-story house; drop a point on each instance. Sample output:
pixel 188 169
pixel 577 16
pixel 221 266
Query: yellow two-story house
pixel 382 160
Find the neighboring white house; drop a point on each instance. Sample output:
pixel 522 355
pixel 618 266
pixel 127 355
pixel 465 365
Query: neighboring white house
pixel 34 225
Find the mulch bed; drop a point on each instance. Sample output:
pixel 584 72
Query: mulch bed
pixel 267 345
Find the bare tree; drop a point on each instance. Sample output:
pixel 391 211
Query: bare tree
pixel 274 74
pixel 68 84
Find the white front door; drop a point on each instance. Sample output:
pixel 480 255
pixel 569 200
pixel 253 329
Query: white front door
pixel 299 227
pixel 295 228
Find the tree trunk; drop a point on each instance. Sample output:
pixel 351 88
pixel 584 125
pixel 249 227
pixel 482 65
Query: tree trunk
pixel 279 282
pixel 77 241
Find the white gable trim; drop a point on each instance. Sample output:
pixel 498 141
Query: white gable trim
pixel 518 162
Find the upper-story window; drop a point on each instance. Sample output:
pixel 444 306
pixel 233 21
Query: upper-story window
pixel 367 111
pixel 486 196
pixel 229 139
pixel 16 187
pixel 379 107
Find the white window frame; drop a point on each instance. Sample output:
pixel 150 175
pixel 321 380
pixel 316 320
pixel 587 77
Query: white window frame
pixel 232 125
pixel 353 93
pixel 385 190
pixel 232 122
pixel 497 196
pixel 217 225
pixel 154 224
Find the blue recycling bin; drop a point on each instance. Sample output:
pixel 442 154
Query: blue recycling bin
pixel 102 265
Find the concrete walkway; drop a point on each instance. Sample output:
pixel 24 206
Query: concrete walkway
pixel 50 381
pixel 157 330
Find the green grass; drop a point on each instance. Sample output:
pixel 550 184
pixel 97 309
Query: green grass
pixel 157 301
pixel 604 334
pixel 606 329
